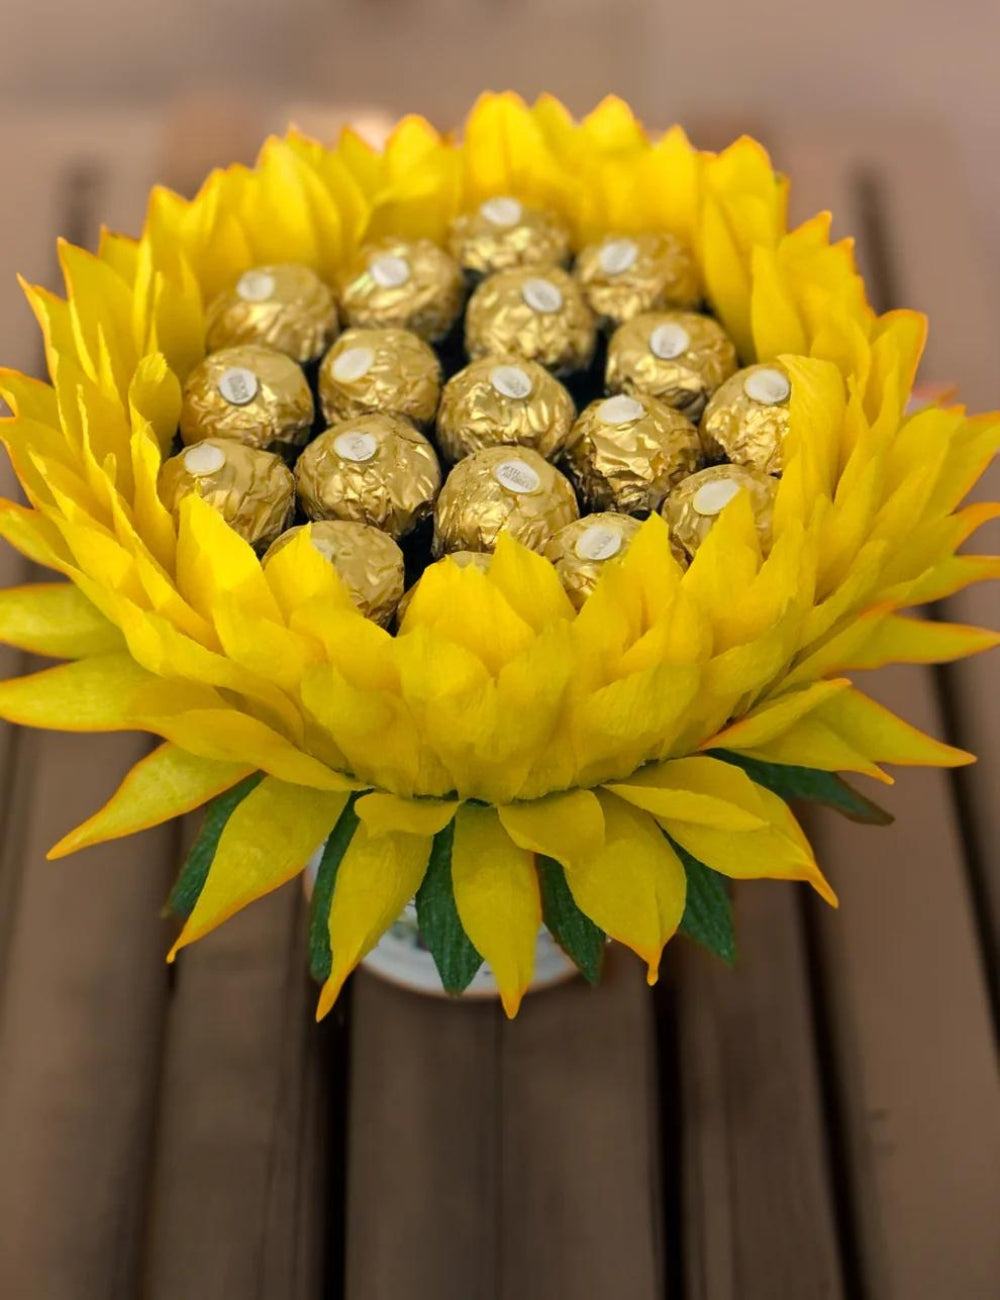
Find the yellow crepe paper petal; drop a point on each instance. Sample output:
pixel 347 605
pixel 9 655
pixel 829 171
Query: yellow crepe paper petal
pixel 267 840
pixel 55 619
pixel 702 790
pixel 167 784
pixel 775 716
pixel 872 729
pixel 498 899
pixel 897 639
pixel 567 827
pixel 387 814
pixel 634 887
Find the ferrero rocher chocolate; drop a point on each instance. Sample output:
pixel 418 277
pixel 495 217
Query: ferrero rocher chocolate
pixel 286 307
pixel 503 232
pixel 503 399
pixel 377 470
pixel 624 275
pixel 251 394
pixel 626 452
pixel 693 506
pixel 253 490
pixel 464 559
pixel 582 549
pixel 406 284
pixel 369 563
pixel 380 370
pixel 536 314
pixel 677 356
pixel 747 418
pixel 502 490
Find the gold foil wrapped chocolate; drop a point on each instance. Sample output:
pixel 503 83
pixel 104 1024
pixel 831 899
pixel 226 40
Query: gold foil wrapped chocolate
pixel 624 275
pixel 502 490
pixel 504 232
pixel 679 357
pixel 403 284
pixel 693 506
pixel 378 470
pixel 538 315
pixel 582 549
pixel 464 559
pixel 286 307
pixel 747 418
pixel 626 452
pixel 503 399
pixel 369 563
pixel 251 394
pixel 253 490
pixel 380 370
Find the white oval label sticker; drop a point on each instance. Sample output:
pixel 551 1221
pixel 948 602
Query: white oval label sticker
pixel 542 295
pixel 255 286
pixel 598 542
pixel 204 458
pixel 511 381
pixel 669 341
pixel 389 271
pixel 355 446
pixel 352 363
pixel 501 211
pixel 238 385
pixel 620 409
pixel 712 498
pixel 769 387
pixel 516 476
pixel 617 256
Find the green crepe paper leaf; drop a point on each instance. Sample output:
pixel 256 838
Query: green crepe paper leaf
pixel 580 939
pixel 320 956
pixel 191 880
pixel 809 783
pixel 708 911
pixel 440 925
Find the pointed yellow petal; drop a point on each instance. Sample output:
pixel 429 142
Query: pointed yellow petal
pixel 55 619
pixel 377 877
pixel 165 785
pixel 634 887
pixel 529 583
pixel 898 639
pixel 872 729
pixel 567 827
pixel 269 838
pixel 387 814
pixel 774 716
pixel 702 790
pixel 498 899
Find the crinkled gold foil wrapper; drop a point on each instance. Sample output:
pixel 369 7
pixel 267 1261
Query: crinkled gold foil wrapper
pixel 464 559
pixel 583 549
pixel 503 232
pixel 253 490
pixel 378 470
pixel 277 417
pixel 502 490
pixel 501 319
pixel 743 430
pixel 503 399
pixel 285 306
pixel 691 517
pixel 403 284
pixel 685 381
pixel 624 275
pixel 369 563
pixel 629 462
pixel 388 371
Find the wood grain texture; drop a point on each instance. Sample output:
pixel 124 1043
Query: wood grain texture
pixel 490 1160
pixel 759 1217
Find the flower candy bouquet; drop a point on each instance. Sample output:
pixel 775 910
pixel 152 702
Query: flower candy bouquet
pixel 512 744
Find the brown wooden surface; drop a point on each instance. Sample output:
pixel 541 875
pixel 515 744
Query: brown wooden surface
pixel 822 1122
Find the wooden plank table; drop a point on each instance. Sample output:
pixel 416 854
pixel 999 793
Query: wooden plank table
pixel 822 1122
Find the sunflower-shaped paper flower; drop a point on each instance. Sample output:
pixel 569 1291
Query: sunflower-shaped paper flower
pixel 504 757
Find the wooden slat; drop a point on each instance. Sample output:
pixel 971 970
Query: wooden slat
pixel 759 1219
pixel 494 1161
pixel 84 989
pixel 904 985
pixel 238 1196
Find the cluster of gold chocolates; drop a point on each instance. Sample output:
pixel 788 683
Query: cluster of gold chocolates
pixel 363 438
